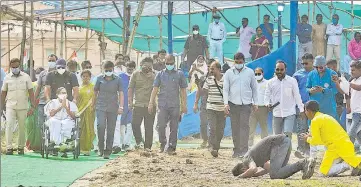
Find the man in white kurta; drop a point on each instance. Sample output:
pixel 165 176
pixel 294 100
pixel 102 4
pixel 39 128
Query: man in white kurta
pixel 245 34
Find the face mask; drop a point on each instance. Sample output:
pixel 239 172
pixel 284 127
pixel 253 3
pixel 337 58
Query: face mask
pixel 200 63
pixel 238 66
pixel 334 21
pixel 259 77
pixel 51 65
pixel 15 71
pixel 61 71
pixel 169 67
pixel 162 59
pixel 216 20
pixel 195 32
pixel 109 73
pixel 62 96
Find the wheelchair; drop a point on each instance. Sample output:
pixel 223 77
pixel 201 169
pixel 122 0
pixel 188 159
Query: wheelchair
pixel 46 148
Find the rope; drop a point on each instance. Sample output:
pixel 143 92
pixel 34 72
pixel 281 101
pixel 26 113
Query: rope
pixel 177 27
pixel 219 13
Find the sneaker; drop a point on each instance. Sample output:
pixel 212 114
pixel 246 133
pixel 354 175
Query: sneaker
pixel 204 144
pixel 299 154
pixel 116 150
pixel 356 171
pixel 9 152
pixel 20 151
pixel 308 168
pixel 106 155
pixel 214 153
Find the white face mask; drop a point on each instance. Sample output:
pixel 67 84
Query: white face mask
pixel 61 71
pixel 238 66
pixel 195 32
pixel 51 65
pixel 109 73
pixel 259 77
pixel 62 96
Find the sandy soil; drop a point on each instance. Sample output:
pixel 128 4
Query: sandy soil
pixel 191 167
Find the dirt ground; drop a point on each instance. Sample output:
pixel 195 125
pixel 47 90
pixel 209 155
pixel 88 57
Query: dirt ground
pixel 192 167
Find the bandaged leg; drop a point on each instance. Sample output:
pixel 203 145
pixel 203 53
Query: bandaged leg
pixel 117 134
pixel 66 127
pixel 128 134
pixel 122 134
pixel 55 130
pixel 338 167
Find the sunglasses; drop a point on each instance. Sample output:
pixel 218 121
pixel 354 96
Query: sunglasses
pixel 169 64
pixel 108 70
pixel 88 67
pixel 60 68
pixel 279 69
pixel 258 74
pixel 304 63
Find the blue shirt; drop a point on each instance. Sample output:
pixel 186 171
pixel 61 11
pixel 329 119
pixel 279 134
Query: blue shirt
pixel 108 90
pixel 301 77
pixel 127 114
pixel 2 77
pixel 169 84
pixel 304 32
pixel 327 98
pixel 266 33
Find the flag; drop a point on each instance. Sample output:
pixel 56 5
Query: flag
pixel 74 56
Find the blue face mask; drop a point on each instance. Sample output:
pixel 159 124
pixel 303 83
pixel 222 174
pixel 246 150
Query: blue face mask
pixel 238 66
pixel 15 70
pixel 334 21
pixel 216 20
pixel 169 67
pixel 51 65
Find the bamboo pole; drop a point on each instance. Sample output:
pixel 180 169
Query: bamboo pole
pixel 189 17
pixel 102 43
pixel 87 31
pixel 353 17
pixel 259 14
pixel 42 50
pixel 22 50
pixel 62 30
pixel 313 11
pixel 31 56
pixel 66 43
pixel 308 11
pixel 55 37
pixel 161 26
pixel 135 26
pixel 125 3
pixel 9 57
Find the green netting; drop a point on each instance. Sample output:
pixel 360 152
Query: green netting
pixel 149 25
pixel 32 170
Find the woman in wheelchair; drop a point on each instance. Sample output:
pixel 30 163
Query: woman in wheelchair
pixel 61 120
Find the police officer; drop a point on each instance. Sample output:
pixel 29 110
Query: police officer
pixel 216 36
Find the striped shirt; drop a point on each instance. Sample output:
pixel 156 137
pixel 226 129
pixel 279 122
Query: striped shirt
pixel 215 99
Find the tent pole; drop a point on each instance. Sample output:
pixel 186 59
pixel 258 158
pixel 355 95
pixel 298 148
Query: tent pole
pixel 42 49
pixel 62 30
pixel 353 17
pixel 170 29
pixel 259 14
pixel 135 26
pixel 293 25
pixel 87 31
pixel 160 26
pixel 124 27
pixel 313 11
pixel 103 31
pixel 22 50
pixel 9 43
pixel 308 11
pixel 66 43
pixel 189 17
pixel 31 57
pixel 56 30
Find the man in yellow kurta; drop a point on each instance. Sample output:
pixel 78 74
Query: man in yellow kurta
pixel 318 37
pixel 325 130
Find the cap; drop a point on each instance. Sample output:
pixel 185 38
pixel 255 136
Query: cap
pixel 195 27
pixel 61 62
pixel 319 61
pixel 216 16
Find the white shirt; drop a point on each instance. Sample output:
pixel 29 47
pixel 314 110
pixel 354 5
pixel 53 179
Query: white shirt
pixel 334 33
pixel 245 35
pixel 240 88
pixel 355 101
pixel 261 91
pixel 287 93
pixel 62 114
pixel 216 31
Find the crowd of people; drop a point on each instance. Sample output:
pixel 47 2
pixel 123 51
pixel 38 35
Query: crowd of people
pixel 112 106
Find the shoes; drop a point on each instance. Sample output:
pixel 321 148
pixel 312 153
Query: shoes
pixel 20 151
pixel 356 171
pixel 214 153
pixel 116 150
pixel 308 168
pixel 106 154
pixel 204 144
pixel 299 154
pixel 55 152
pixel 9 152
pixel 126 147
pixel 171 152
pixel 64 155
pixel 147 150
